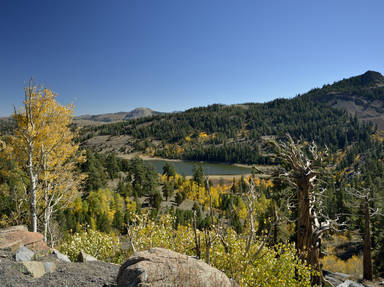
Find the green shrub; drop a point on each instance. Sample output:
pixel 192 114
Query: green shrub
pixel 103 246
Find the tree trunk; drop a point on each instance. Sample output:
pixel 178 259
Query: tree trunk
pixel 45 226
pixel 208 244
pixel 47 220
pixel 367 256
pixel 197 239
pixel 46 217
pixel 314 262
pixel 304 226
pixel 308 250
pixel 32 191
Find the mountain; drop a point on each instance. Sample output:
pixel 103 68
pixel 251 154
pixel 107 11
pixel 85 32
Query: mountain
pixel 362 96
pixel 336 115
pixel 7 123
pixel 140 113
pixel 236 133
pixel 114 117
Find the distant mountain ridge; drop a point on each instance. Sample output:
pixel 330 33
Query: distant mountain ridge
pixel 115 117
pixel 361 95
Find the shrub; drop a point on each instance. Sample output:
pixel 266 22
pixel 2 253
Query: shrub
pixel 103 246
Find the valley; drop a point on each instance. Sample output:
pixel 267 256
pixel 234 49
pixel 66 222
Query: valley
pixel 191 143
pixel 216 171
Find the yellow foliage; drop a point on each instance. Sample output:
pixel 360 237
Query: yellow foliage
pixel 353 265
pixel 43 146
pixel 150 151
pixel 130 205
pixel 179 150
pixel 203 135
pixel 102 201
pixel 103 246
pixel 118 203
pixel 277 266
pixel 241 210
pixel 201 194
pixel 78 205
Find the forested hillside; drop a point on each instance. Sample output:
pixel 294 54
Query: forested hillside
pixel 336 117
pixel 320 207
pixel 234 133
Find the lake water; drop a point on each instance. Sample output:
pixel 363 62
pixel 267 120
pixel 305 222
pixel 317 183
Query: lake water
pixel 186 167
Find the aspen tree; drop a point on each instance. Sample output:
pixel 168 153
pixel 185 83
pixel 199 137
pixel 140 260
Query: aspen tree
pixel 43 146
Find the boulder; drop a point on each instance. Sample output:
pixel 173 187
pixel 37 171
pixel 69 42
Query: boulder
pixel 163 267
pixel 24 254
pixel 60 256
pixel 14 228
pixel 36 269
pixel 49 267
pixel 15 236
pixel 84 257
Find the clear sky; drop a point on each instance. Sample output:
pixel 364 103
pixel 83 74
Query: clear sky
pixel 110 56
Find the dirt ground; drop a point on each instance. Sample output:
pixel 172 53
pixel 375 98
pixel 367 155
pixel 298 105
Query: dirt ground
pixel 66 275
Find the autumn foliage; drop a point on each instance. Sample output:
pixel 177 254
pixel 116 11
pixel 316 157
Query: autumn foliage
pixel 43 147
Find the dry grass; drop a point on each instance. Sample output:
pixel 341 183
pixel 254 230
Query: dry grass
pixel 338 246
pixel 352 266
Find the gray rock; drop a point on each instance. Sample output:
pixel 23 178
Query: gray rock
pixel 161 267
pixel 60 256
pixel 84 257
pixel 349 283
pixel 24 254
pixel 340 279
pixel 49 267
pixel 35 269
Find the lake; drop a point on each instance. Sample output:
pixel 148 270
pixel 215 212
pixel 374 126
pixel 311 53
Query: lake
pixel 186 167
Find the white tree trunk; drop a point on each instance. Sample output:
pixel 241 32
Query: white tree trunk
pixel 32 190
pixel 47 221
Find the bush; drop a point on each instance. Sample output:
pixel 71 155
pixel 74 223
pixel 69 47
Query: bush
pixel 276 266
pixel 103 246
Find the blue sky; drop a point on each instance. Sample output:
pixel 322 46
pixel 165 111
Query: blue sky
pixel 110 56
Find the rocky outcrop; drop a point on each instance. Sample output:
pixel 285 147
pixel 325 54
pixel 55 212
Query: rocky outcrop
pixel 25 260
pixel 162 267
pixel 36 269
pixel 13 237
pixel 24 254
pixel 84 257
pixel 336 279
pixel 60 256
pixel 50 271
